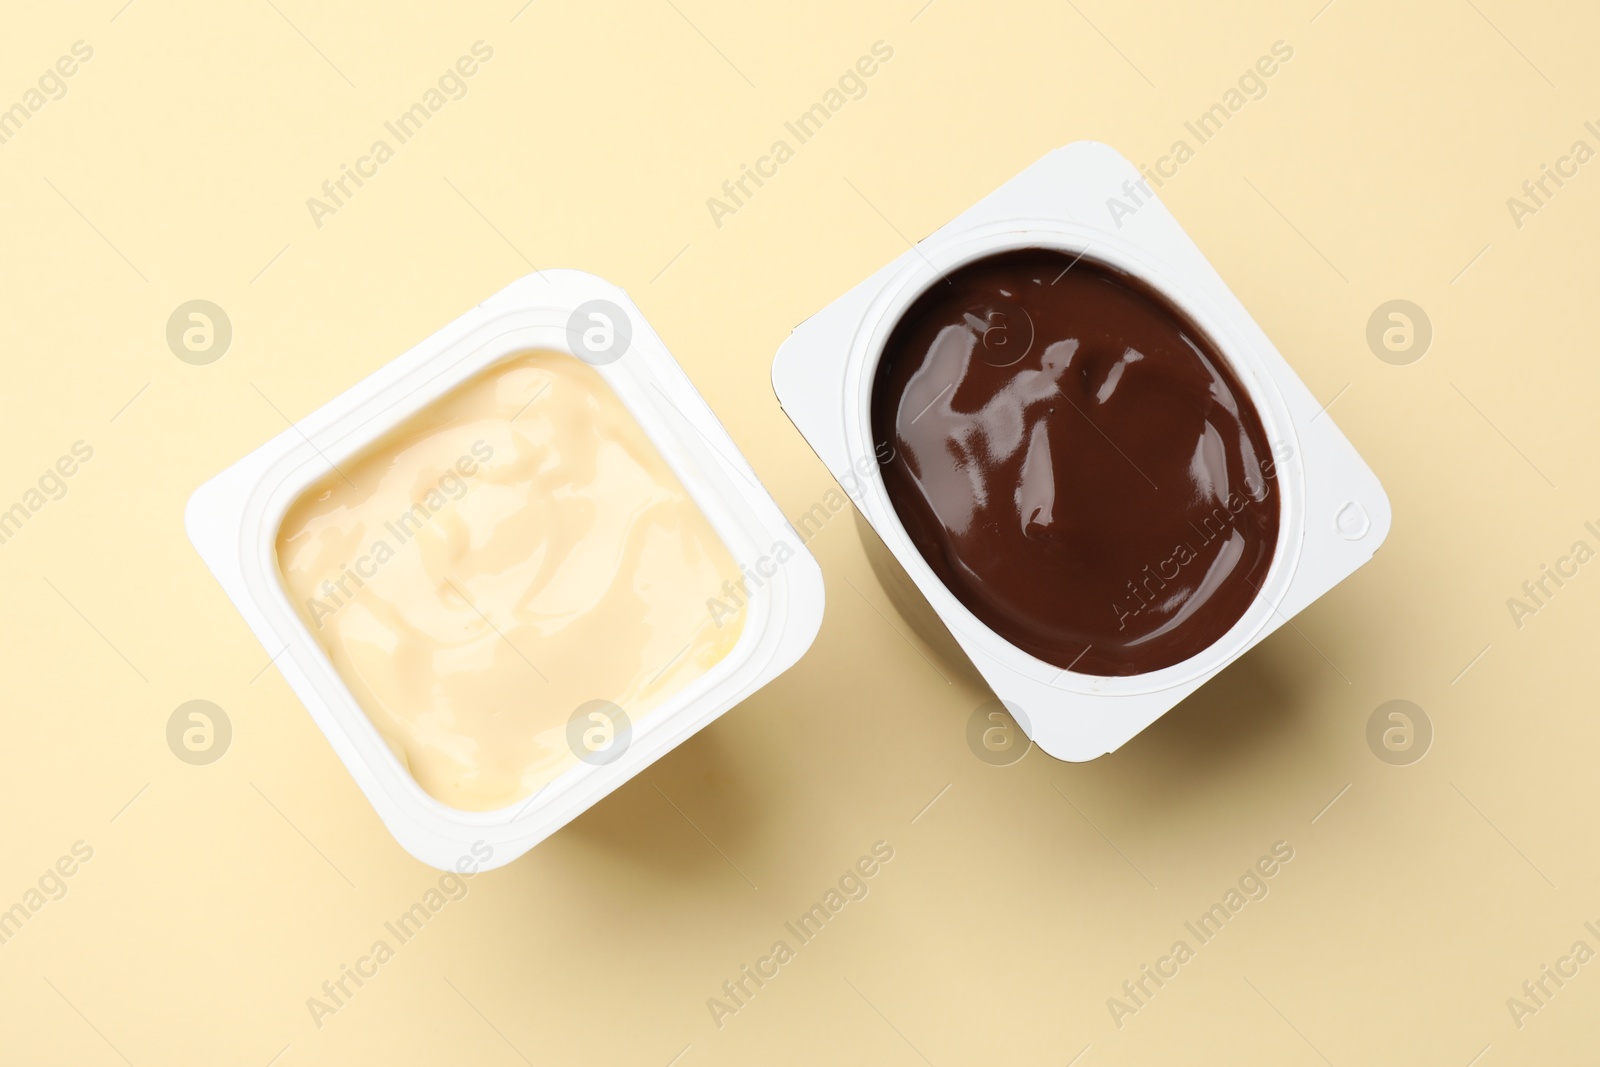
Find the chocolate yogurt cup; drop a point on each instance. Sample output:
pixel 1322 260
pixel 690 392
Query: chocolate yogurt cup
pixel 1059 401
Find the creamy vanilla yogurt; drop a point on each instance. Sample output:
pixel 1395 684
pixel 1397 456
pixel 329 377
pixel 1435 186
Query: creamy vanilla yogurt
pixel 513 551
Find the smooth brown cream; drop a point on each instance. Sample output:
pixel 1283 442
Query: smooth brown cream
pixel 513 551
pixel 1076 461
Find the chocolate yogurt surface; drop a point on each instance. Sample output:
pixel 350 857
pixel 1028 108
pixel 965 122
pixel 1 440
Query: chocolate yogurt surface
pixel 1076 461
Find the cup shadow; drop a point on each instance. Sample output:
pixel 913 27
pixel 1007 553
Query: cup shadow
pixel 914 608
pixel 685 819
pixel 1218 732
pixel 688 818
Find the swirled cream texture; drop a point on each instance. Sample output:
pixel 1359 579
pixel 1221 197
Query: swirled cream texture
pixel 513 551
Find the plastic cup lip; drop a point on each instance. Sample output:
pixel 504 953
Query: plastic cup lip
pixel 950 250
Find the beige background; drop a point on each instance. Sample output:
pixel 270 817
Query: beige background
pixel 219 898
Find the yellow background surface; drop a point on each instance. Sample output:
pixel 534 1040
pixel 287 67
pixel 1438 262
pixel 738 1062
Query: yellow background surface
pixel 219 898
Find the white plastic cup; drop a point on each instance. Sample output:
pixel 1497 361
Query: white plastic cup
pixel 233 521
pixel 824 375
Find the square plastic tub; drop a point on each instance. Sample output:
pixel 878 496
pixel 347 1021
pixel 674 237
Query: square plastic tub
pixel 233 520
pixel 1334 514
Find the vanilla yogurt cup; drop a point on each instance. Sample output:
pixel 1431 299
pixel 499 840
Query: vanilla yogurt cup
pixel 511 568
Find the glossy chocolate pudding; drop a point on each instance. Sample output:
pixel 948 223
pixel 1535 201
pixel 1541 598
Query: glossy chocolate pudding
pixel 1076 461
